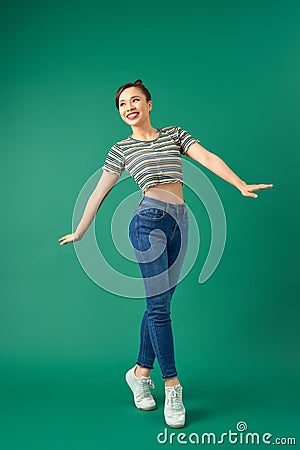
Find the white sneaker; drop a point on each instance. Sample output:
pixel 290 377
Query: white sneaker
pixel 174 410
pixel 140 388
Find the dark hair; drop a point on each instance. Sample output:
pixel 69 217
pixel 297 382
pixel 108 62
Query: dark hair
pixel 138 84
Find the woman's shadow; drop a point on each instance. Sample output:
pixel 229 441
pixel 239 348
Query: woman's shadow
pixel 218 397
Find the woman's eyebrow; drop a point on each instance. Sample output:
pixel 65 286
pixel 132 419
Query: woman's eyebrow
pixel 131 97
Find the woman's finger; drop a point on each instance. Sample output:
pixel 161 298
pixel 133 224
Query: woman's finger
pixel 256 187
pixel 264 186
pixel 249 194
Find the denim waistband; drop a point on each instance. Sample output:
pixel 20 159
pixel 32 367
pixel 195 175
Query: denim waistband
pixel 172 207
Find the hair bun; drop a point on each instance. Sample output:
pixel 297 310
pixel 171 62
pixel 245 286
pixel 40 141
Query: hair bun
pixel 138 82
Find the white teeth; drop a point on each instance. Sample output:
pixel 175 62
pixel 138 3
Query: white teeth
pixel 133 115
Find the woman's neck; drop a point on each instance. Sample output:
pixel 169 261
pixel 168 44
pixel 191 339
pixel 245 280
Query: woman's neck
pixel 144 133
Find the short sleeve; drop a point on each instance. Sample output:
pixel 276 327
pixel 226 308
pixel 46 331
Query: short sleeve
pixel 114 161
pixel 185 140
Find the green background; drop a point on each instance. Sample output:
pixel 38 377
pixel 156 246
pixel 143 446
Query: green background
pixel 228 72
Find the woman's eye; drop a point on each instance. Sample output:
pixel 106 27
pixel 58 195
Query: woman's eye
pixel 121 104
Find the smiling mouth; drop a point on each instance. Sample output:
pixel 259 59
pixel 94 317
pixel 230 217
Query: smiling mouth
pixel 132 116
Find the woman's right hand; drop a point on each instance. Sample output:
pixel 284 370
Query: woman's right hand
pixel 69 238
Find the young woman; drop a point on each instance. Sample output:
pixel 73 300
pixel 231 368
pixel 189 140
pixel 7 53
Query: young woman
pixel 158 231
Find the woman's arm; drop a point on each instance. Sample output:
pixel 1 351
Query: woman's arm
pixel 219 167
pixel 105 184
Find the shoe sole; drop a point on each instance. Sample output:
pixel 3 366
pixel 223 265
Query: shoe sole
pixel 128 380
pixel 175 426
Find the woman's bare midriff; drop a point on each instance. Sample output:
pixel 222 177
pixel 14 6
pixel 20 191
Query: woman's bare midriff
pixel 166 192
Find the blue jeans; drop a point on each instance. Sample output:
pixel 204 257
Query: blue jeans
pixel 158 232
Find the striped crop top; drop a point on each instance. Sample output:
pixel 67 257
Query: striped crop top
pixel 151 162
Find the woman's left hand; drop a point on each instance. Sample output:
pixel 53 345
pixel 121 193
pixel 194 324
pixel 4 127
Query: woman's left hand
pixel 247 189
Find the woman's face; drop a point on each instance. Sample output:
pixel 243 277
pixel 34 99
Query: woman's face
pixel 133 106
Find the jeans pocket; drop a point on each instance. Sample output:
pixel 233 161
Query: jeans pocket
pixel 151 213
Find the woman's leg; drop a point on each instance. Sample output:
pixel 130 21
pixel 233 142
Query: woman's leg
pixel 176 249
pixel 156 330
pixel 146 354
pixel 160 276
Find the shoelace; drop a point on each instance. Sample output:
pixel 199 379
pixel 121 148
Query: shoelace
pixel 146 383
pixel 175 398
